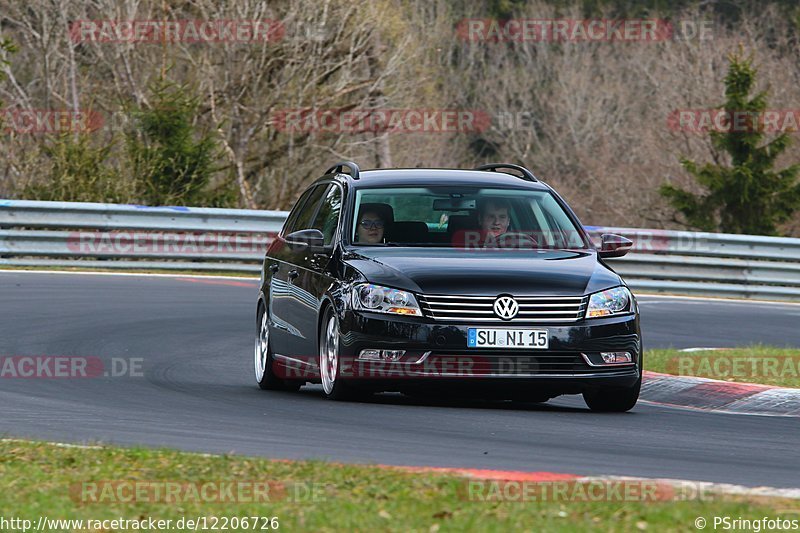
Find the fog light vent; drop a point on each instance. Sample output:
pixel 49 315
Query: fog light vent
pixel 381 355
pixel 609 358
pixel 616 358
pixel 370 355
pixel 392 355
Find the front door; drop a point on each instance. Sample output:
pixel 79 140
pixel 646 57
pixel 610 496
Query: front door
pixel 313 278
pixel 285 313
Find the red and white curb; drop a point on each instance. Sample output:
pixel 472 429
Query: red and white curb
pixel 662 488
pixel 719 396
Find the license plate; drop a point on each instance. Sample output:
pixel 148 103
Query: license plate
pixel 536 339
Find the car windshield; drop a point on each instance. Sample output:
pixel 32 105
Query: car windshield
pixel 462 218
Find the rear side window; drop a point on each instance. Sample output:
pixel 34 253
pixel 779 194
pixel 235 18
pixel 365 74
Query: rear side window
pixel 327 219
pixel 306 208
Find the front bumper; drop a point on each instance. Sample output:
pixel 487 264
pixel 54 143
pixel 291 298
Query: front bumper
pixel 438 351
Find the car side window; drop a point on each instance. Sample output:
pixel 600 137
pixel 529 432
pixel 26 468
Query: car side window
pixel 291 220
pixel 327 220
pixel 307 210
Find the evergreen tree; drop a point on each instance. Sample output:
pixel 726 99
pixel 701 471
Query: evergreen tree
pixel 173 163
pixel 749 196
pixel 77 172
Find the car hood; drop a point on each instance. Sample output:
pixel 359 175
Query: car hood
pixel 483 272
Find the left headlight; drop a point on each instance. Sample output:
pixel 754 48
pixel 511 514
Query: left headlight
pixel 378 299
pixel 610 302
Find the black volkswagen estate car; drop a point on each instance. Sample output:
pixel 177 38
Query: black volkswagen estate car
pixel 462 282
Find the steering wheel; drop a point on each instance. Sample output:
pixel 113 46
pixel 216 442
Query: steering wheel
pixel 520 240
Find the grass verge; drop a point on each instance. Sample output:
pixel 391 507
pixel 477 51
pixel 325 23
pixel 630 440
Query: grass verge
pixel 752 364
pixel 39 479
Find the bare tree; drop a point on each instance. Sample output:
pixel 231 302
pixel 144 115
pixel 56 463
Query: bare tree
pixel 589 117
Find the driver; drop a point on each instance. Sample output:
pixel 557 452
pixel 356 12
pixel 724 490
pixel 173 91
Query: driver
pixel 493 217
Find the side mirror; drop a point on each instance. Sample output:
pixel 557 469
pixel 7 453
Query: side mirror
pixel 305 239
pixel 614 245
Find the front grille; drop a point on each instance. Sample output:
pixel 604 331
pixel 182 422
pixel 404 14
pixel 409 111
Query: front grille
pixel 532 309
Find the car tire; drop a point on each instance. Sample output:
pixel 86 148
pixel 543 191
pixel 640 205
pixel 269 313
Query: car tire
pixel 262 355
pixel 330 362
pixel 613 400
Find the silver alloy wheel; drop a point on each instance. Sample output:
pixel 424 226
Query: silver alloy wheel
pixel 329 355
pixel 261 348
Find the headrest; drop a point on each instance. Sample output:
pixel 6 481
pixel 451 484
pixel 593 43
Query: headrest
pixel 409 231
pixel 460 222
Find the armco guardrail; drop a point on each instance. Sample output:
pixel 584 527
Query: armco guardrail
pixel 130 236
pixel 711 264
pixel 187 238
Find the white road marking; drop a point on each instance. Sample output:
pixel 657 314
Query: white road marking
pixel 645 297
pixel 702 349
pixel 141 274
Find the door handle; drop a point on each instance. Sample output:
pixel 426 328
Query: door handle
pixel 293 274
pixel 274 267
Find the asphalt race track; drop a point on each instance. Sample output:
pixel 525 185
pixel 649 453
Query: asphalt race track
pixel 193 340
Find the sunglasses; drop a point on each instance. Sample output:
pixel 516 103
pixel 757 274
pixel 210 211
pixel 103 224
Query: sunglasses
pixel 372 224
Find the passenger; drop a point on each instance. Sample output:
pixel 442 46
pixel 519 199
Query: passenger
pixel 370 228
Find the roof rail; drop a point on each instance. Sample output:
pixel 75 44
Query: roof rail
pixel 493 167
pixel 338 168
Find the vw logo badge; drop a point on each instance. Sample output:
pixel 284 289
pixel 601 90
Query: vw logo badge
pixel 506 307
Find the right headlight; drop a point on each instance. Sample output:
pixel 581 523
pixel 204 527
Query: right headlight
pixel 379 299
pixel 609 302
